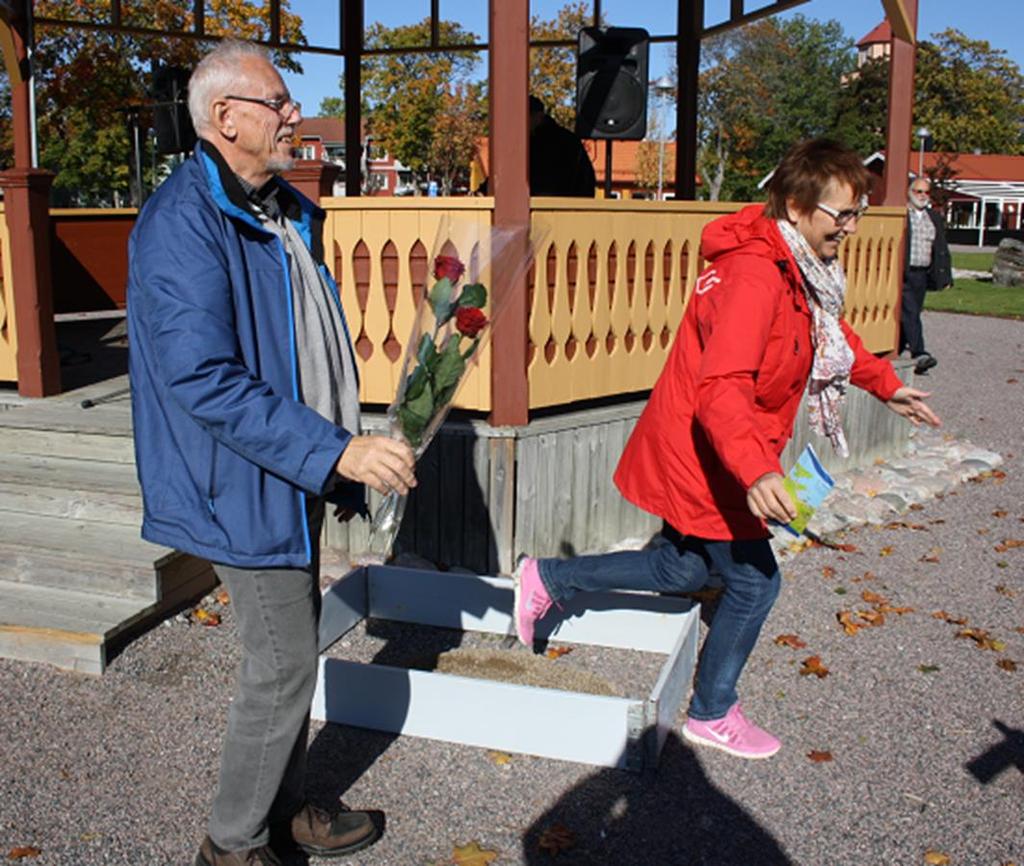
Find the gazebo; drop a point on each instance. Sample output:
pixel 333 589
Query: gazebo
pixel 582 337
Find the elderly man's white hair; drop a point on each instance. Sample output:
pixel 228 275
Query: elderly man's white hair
pixel 217 74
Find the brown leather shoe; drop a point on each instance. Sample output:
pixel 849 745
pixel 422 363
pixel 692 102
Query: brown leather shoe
pixel 324 835
pixel 210 855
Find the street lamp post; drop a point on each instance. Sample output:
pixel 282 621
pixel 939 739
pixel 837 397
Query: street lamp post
pixel 922 134
pixel 662 89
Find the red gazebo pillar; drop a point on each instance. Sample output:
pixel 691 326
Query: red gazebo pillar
pixel 509 184
pixel 27 209
pixel 902 62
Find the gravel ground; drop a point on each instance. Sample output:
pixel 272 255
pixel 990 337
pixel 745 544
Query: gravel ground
pixel 925 731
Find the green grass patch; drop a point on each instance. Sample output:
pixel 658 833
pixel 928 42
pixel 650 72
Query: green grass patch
pixel 973 261
pixel 979 299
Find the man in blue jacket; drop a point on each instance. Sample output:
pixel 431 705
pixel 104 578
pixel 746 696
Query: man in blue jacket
pixel 246 417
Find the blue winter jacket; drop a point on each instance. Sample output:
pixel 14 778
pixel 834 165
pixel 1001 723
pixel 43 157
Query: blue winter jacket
pixel 225 450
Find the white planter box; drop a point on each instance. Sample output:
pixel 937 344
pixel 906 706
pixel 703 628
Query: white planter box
pixel 591 729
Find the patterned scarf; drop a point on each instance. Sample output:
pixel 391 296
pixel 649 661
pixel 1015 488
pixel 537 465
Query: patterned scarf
pixel 825 288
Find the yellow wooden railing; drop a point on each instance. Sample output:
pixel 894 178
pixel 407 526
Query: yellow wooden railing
pixel 380 251
pixel 8 337
pixel 606 294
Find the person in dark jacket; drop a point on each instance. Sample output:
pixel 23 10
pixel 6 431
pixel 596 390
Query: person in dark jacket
pixel 763 323
pixel 246 420
pixel 927 266
pixel 559 164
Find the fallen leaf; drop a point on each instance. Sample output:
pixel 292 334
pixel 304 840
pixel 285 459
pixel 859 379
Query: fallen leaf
pixel 888 608
pixel 928 669
pixel 1019 629
pixel 948 617
pixel 1005 590
pixel 984 531
pixel 936 858
pixel 556 652
pixel 222 597
pixel 932 555
pixel 1011 381
pixel 813 665
pixel 885 551
pixel 840 590
pixel 982 640
pixel 845 618
pixel 1002 563
pixel 999 513
pixel 1007 664
pixel 872 617
pixel 819 757
pixel 916 506
pixel 938 521
pixel 205 617
pixel 556 838
pixel 873 597
pixel 828 572
pixel 1009 544
pixel 791 640
pixel 846 548
pixel 473 855
pixel 499 759
pixel 23 851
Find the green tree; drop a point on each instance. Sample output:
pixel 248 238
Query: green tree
pixel 763 87
pixel 85 78
pixel 863 106
pixel 970 96
pixel 404 95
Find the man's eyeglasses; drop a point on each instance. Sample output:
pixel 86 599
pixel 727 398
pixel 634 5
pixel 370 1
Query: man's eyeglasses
pixel 842 217
pixel 283 105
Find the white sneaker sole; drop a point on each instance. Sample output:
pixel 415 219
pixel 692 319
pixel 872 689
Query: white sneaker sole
pixel 516 592
pixel 725 747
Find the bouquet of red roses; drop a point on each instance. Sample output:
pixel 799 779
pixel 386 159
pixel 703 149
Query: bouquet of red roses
pixel 450 327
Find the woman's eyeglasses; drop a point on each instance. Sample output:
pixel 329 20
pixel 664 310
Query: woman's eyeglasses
pixel 842 217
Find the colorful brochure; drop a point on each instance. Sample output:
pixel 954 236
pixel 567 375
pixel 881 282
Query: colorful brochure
pixel 807 484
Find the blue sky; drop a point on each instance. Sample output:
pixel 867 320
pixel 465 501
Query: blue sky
pixel 1001 23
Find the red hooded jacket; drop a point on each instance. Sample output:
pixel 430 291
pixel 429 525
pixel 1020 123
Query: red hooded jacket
pixel 723 408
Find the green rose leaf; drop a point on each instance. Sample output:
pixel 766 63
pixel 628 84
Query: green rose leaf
pixel 469 352
pixel 416 409
pixel 441 300
pixel 451 365
pixel 473 295
pixel 426 350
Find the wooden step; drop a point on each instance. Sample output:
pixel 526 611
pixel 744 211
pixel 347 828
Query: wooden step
pixel 69 487
pixel 80 555
pixel 76 630
pixel 63 428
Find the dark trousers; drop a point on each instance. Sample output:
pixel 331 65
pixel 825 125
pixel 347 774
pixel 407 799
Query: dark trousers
pixel 915 284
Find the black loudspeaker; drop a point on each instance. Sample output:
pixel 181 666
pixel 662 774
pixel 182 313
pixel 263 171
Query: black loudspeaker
pixel 171 120
pixel 611 82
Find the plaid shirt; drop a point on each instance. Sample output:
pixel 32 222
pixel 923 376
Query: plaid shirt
pixel 922 236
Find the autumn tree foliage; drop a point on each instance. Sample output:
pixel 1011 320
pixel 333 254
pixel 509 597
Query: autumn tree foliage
pixel 553 69
pixel 406 95
pixel 85 78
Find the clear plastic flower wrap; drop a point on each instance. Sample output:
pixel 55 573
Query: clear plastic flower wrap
pixel 455 315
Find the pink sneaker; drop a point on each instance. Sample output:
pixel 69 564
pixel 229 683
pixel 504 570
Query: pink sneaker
pixel 733 733
pixel 531 599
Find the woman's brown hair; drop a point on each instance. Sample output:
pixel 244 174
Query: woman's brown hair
pixel 806 170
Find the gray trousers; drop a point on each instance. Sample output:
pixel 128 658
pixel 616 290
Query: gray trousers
pixel 263 758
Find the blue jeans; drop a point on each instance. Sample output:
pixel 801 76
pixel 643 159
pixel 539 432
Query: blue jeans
pixel 747 568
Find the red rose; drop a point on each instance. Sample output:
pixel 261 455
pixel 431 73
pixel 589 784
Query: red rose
pixel 470 320
pixel 448 266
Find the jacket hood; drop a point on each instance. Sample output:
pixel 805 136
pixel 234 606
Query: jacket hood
pixel 748 231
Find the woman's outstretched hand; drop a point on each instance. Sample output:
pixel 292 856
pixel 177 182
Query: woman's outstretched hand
pixel 909 402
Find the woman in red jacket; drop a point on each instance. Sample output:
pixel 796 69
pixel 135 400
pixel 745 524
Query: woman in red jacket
pixel 764 324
